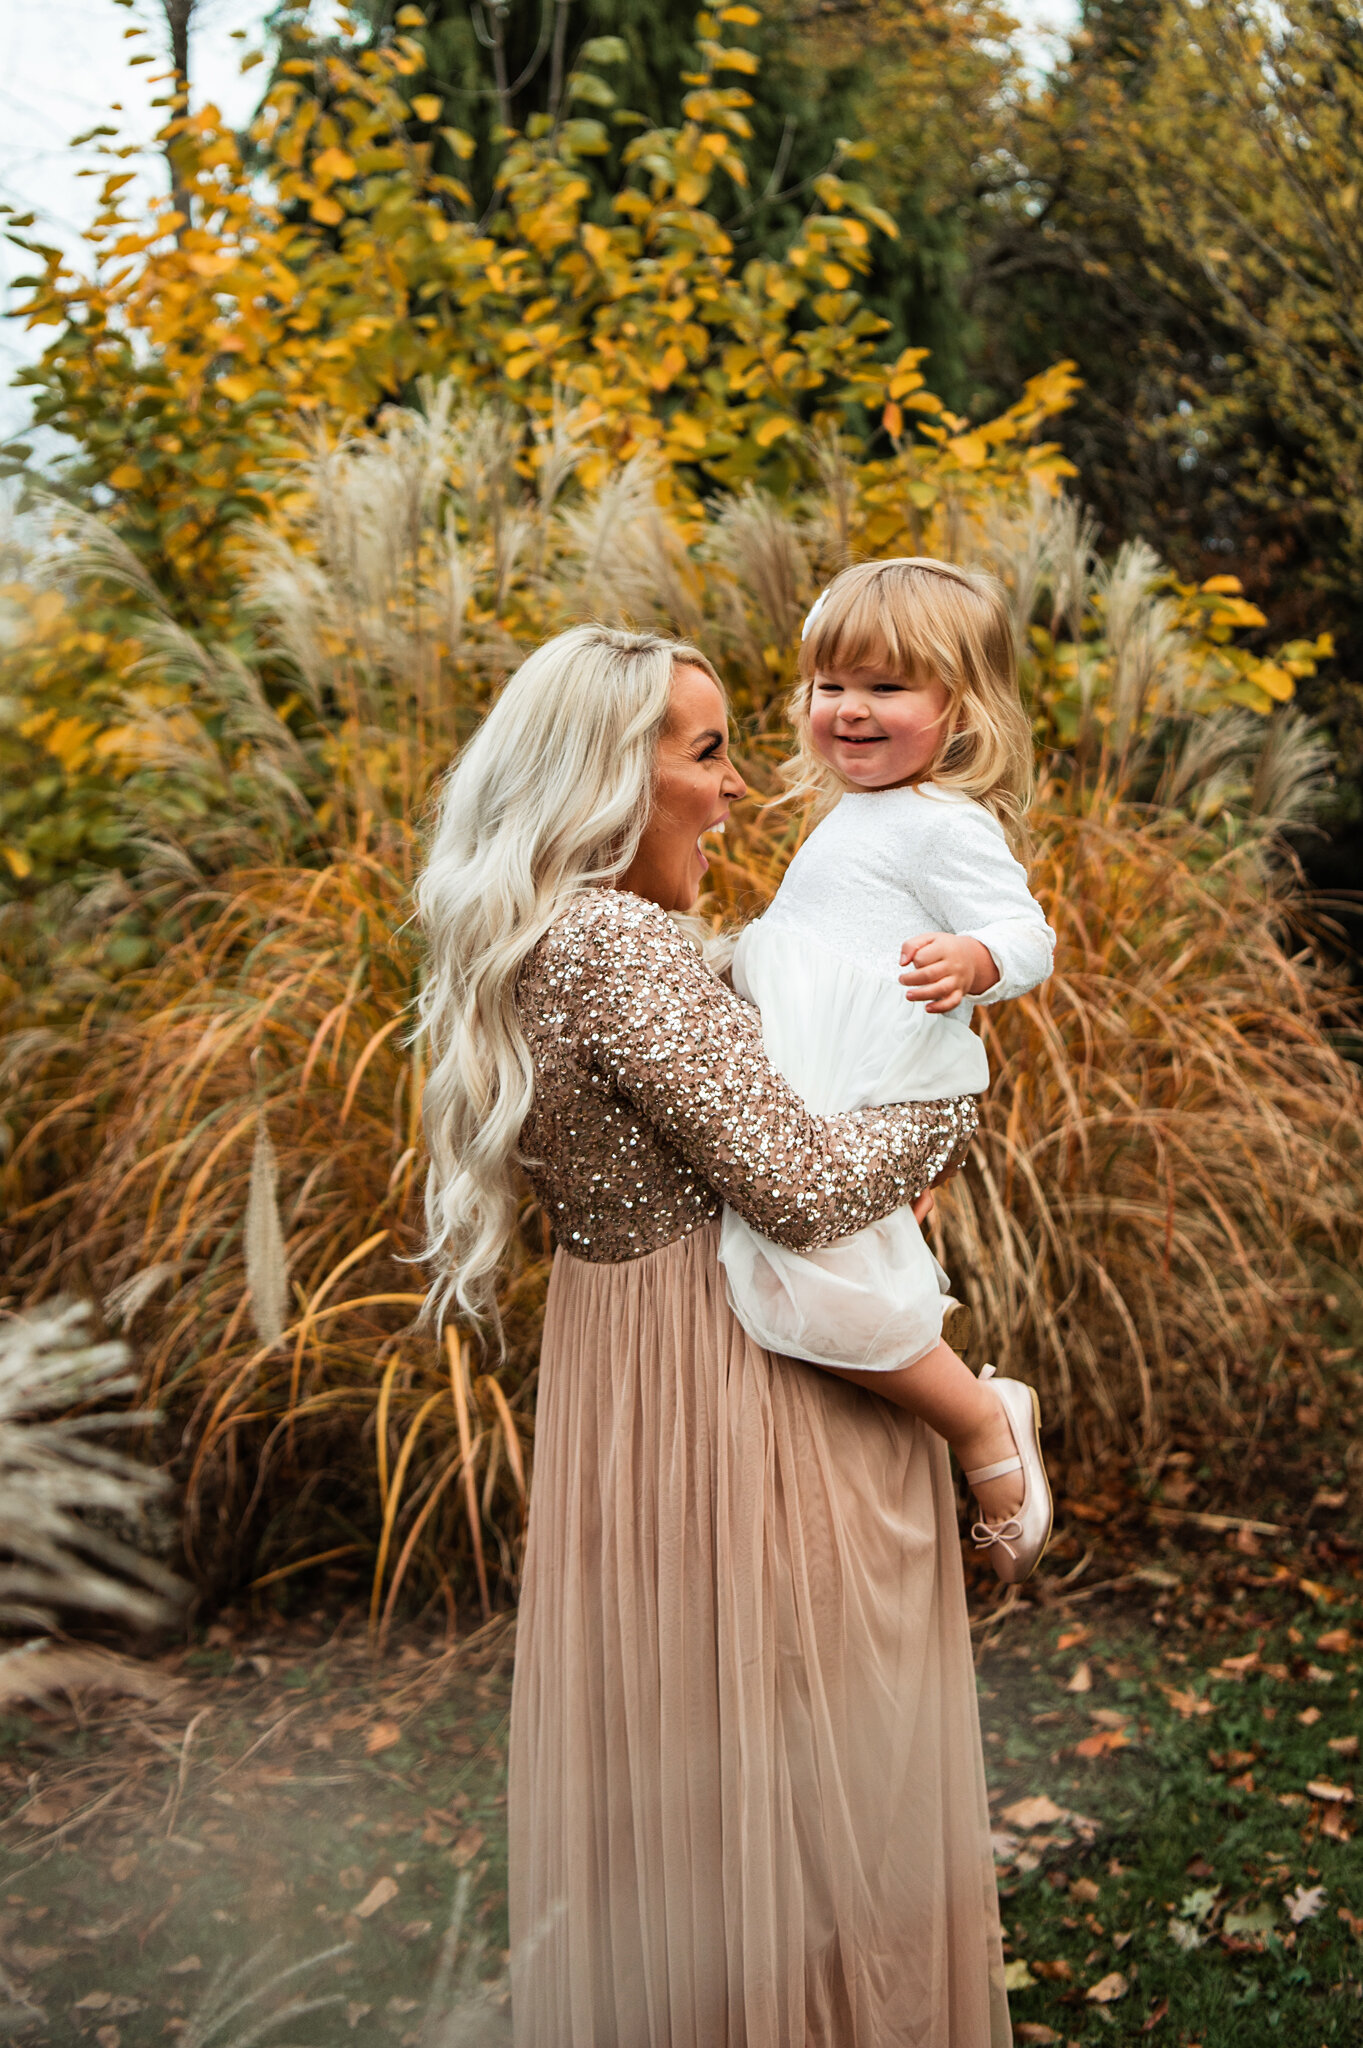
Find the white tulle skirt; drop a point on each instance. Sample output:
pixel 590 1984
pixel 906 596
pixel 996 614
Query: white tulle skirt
pixel 845 1037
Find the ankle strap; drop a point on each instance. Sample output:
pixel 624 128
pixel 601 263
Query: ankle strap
pixel 985 1472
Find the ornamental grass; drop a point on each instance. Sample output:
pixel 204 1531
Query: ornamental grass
pixel 217 1136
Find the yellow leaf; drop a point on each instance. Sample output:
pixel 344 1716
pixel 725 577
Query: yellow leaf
pixel 20 864
pixel 970 450
pixel 236 387
pixel 126 477
pixel 331 164
pixel 327 212
pixel 735 60
pixel 426 106
pixel 742 17
pixel 1275 682
pixel 892 419
pixel 410 17
pixel 1230 585
pixel 772 430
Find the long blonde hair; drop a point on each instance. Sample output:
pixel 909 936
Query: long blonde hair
pixel 915 616
pixel 548 798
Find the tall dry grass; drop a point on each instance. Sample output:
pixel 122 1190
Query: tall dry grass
pixel 1169 1151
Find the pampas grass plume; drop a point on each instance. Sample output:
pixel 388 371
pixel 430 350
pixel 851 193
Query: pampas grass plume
pixel 266 1259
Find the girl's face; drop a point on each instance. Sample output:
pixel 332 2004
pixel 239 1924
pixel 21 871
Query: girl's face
pixel 694 787
pixel 878 729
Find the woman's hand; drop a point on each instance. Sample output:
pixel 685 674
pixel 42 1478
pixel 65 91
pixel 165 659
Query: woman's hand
pixel 943 969
pixel 925 1205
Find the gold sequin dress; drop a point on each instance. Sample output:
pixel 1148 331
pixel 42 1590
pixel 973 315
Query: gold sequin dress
pixel 747 1802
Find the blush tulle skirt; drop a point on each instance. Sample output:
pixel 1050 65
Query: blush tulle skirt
pixel 747 1802
pixel 845 1037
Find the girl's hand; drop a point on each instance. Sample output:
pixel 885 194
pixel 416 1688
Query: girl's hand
pixel 924 1206
pixel 944 969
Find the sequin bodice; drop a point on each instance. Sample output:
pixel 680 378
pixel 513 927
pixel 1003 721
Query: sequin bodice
pixel 654 1102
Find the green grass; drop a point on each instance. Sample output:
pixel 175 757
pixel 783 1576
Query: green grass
pixel 1183 1846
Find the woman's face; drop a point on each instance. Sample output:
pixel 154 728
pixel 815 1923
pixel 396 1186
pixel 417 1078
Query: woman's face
pixel 694 787
pixel 877 729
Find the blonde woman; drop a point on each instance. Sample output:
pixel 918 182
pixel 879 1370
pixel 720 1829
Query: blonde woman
pixel 747 1800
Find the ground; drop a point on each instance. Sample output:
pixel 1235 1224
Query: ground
pixel 1172 1757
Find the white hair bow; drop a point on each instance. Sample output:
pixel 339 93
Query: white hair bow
pixel 813 614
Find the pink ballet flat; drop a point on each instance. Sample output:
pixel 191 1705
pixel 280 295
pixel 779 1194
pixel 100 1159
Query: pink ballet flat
pixel 1017 1545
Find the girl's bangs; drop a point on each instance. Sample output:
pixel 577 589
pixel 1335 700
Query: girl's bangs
pixel 859 629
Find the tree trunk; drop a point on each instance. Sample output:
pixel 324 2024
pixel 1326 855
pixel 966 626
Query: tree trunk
pixel 179 14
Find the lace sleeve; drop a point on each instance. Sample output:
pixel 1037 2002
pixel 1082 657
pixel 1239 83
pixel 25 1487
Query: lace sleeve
pixel 667 1035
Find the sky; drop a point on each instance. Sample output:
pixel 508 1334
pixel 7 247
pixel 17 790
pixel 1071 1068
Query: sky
pixel 63 63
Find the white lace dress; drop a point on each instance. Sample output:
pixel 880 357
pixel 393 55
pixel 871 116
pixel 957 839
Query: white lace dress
pixel 823 968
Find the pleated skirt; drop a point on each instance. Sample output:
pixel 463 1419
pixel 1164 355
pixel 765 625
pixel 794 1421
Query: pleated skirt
pixel 747 1801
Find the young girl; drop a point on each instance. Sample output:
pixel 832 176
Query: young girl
pixel 908 718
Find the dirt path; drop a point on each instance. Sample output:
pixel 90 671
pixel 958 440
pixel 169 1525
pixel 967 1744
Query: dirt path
pixel 1172 1763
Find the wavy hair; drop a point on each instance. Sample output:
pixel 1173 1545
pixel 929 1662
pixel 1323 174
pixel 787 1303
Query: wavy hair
pixel 915 616
pixel 548 798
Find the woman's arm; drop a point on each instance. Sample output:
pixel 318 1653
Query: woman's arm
pixel 656 1024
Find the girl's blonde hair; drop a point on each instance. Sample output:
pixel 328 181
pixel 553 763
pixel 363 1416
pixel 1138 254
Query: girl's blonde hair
pixel 914 616
pixel 549 798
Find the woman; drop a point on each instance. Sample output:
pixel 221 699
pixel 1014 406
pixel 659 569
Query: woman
pixel 747 1804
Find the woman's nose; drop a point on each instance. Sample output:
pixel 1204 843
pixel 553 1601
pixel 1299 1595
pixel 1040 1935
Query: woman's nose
pixel 734 786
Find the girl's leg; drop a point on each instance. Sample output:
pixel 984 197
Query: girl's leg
pixel 942 1391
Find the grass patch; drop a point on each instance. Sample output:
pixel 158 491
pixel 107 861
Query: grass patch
pixel 1171 1765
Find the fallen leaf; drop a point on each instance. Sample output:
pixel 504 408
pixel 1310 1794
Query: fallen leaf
pixel 1085 1891
pixel 1123 1940
pixel 354 2013
pixel 1157 2013
pixel 49 1810
pixel 1324 1596
pixel 1344 1745
pixel 1072 1638
pixel 1309 1716
pixel 1353 1921
pixel 1109 1717
pixel 1186 1703
pixel 1036 1812
pixel 1184 1935
pixel 1302 1904
pixel 379 1893
pixel 1327 1497
pixel 109 2037
pixel 122 1868
pixel 467 1847
pixel 33 1958
pixel 1058 1972
pixel 1334 1795
pixel 1337 1640
pixel 1081 1679
pixel 382 1736
pixel 1035 2034
pixel 1003 1844
pixel 1334 1824
pixel 1017 1976
pixel 1291 1799
pixel 185 1968
pixel 1256 1922
pixel 1319 1676
pixel 1103 1743
pixel 1108 1989
pixel 93 2001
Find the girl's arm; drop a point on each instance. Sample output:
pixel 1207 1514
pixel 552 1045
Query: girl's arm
pixel 970 882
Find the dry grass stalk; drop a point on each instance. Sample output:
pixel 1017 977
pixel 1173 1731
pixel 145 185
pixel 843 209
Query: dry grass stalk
pixel 62 1490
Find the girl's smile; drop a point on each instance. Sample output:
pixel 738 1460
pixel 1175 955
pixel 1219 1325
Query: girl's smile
pixel 878 729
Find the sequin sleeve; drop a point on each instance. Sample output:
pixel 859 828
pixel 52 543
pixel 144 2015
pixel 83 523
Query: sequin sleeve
pixel 661 1030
